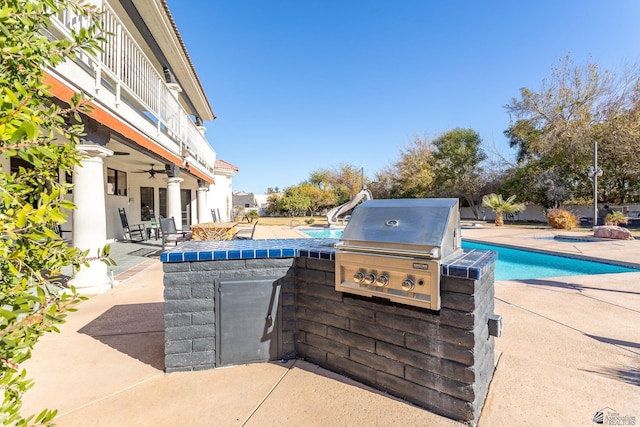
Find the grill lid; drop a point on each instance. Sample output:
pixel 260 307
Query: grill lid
pixel 425 227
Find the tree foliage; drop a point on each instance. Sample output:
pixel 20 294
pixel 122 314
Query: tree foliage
pixel 449 166
pixel 539 182
pixel 292 202
pixel 318 197
pixel 458 166
pixel 32 201
pixel 349 180
pixel 557 125
pixel 412 176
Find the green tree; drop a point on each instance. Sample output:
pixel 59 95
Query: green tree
pixel 413 174
pixel 540 183
pixel 32 203
pixel 520 135
pixel 458 166
pixel 345 181
pixel 294 202
pixel 350 177
pixel 576 106
pixel 272 204
pixel 341 194
pixel 499 206
pixel 383 185
pixel 318 197
pixel 321 178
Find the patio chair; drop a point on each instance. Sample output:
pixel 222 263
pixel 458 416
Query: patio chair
pixel 215 214
pixel 60 232
pixel 133 233
pixel 171 234
pixel 154 227
pixel 244 234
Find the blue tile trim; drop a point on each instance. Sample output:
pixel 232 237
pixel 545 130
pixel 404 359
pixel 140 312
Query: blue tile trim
pixel 468 264
pixel 205 256
pixel 262 253
pixel 190 256
pixel 248 253
pixel 176 257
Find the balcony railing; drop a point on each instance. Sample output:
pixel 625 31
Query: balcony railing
pixel 123 69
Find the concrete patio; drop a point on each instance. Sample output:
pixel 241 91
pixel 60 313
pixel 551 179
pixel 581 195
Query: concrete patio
pixel 570 348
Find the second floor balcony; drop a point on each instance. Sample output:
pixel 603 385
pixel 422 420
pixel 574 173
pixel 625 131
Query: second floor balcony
pixel 137 87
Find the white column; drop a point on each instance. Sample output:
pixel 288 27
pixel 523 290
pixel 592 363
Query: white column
pixel 174 207
pixel 204 213
pixel 90 218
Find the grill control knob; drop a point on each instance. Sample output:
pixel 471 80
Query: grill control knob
pixel 382 280
pixel 358 277
pixel 407 284
pixel 369 279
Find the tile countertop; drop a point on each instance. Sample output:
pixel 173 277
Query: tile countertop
pixel 469 264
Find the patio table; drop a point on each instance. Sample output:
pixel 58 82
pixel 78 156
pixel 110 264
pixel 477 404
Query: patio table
pixel 213 230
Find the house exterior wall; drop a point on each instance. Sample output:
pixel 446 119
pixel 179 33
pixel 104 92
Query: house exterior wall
pixel 220 196
pixel 142 119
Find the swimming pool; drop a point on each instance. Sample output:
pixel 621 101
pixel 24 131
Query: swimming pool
pixel 323 233
pixel 517 264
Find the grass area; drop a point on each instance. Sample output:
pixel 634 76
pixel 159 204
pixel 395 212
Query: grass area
pixel 288 221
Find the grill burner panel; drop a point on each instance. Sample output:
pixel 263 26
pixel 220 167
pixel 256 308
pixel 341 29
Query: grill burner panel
pixel 403 280
pixel 393 249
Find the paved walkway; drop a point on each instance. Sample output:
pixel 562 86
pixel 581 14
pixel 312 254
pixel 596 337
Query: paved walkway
pixel 571 347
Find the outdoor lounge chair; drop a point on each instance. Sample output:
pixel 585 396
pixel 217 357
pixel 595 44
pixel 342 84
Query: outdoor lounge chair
pixel 215 215
pixel 133 233
pixel 171 234
pixel 244 234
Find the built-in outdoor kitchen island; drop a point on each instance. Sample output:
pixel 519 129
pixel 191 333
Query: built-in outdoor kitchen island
pixel 244 301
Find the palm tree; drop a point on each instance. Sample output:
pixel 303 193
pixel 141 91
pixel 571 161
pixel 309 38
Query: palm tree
pixel 497 204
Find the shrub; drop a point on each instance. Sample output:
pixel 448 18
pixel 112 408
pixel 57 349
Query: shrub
pixel 44 134
pixel 252 214
pixel 309 221
pixel 615 218
pixel 562 219
pixel 500 206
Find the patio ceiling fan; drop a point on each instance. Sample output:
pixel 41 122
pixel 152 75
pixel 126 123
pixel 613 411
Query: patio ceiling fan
pixel 152 172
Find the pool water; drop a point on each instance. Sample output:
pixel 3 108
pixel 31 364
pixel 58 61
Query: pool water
pixel 323 233
pixel 516 264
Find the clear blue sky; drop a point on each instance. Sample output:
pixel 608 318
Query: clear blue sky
pixel 303 85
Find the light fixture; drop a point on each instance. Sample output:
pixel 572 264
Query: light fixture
pixel 168 76
pixel 594 172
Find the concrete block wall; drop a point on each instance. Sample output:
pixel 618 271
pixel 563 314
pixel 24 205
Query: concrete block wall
pixel 442 361
pixel 189 309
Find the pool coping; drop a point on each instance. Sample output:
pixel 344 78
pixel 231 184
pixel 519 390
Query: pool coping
pixel 548 251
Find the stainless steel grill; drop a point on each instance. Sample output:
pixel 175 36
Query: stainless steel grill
pixel 393 249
